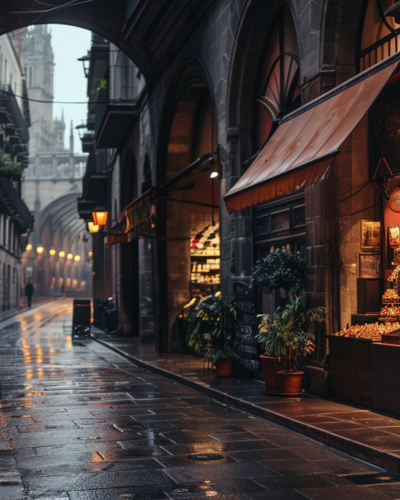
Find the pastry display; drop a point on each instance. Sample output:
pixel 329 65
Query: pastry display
pixel 371 331
pixel 390 296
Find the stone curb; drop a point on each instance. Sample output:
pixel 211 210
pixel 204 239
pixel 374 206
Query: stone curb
pixel 363 452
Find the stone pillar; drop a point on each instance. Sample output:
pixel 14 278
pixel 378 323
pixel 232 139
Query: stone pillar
pixel 236 229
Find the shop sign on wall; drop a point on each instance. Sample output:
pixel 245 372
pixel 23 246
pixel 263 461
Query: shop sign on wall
pixel 370 235
pixel 140 219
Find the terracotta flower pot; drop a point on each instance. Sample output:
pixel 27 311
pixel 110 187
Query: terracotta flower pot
pixel 271 366
pixel 290 381
pixel 224 367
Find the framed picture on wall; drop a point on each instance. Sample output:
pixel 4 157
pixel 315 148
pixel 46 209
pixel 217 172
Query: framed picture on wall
pixel 370 235
pixel 370 265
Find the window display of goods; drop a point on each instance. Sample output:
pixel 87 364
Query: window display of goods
pixel 395 274
pixel 371 331
pixel 390 311
pixel 390 296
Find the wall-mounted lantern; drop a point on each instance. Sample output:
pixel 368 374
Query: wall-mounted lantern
pixel 85 60
pixel 100 217
pixel 93 228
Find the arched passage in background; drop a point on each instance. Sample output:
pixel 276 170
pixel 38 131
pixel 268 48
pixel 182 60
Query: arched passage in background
pixel 62 266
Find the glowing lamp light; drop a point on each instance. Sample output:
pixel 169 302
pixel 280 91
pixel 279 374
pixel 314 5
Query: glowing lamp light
pixel 90 255
pixel 100 217
pixel 52 251
pixel 77 258
pixel 40 250
pixel 28 247
pixel 93 228
pixel 214 174
pixel 62 253
pixel 69 256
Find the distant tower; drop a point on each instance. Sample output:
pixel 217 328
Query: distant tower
pixel 47 134
pixel 53 181
pixel 71 138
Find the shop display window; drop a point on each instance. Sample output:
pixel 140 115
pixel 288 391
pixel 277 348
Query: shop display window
pixel 204 254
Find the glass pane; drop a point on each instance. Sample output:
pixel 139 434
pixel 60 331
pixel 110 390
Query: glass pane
pixel 280 221
pixel 262 225
pixel 299 216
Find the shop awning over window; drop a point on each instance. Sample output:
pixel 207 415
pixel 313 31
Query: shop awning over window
pixel 192 185
pixel 140 216
pixel 301 150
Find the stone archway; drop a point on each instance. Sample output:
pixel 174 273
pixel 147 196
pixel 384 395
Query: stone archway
pixel 61 234
pixel 189 133
pixel 106 18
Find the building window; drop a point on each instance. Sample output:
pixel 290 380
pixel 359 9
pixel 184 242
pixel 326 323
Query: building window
pixel 277 88
pixel 380 34
pixel 278 222
pixel 7 232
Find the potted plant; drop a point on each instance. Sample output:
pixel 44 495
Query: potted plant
pixel 9 168
pixel 286 336
pixel 281 269
pixel 211 329
pixel 270 334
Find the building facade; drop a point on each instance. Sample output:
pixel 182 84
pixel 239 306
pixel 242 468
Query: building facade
pixel 52 183
pixel 290 103
pixel 16 221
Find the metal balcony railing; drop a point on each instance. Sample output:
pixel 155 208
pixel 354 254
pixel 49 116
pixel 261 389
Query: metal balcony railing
pixel 380 50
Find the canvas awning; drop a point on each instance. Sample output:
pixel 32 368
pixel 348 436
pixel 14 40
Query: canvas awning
pixel 302 148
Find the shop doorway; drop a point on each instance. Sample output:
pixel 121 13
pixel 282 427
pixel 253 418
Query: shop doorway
pixel 192 208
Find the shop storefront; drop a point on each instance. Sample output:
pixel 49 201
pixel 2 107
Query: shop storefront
pixel 324 142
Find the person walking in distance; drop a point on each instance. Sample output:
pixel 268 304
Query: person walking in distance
pixel 29 291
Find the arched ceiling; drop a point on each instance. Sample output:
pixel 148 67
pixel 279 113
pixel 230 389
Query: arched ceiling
pixel 62 215
pixel 150 37
pixel 104 17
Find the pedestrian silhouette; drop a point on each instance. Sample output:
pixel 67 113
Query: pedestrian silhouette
pixel 29 291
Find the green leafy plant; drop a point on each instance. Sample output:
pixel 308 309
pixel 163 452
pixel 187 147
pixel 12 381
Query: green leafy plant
pixel 286 334
pixel 8 166
pixel 211 329
pixel 99 84
pixel 281 269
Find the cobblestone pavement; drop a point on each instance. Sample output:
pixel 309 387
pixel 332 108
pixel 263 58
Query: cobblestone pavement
pixel 80 422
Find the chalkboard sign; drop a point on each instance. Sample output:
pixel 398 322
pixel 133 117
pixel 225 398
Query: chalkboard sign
pixel 246 344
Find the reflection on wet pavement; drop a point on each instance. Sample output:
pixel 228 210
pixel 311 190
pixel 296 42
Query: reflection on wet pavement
pixel 79 422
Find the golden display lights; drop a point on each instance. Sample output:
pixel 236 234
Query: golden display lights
pixel 77 258
pixel 62 254
pixel 28 247
pixel 52 252
pixel 69 256
pixel 40 250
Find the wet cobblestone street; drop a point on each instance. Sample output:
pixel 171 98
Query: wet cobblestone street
pixel 80 422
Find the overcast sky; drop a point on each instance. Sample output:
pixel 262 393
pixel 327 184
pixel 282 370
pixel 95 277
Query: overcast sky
pixel 70 43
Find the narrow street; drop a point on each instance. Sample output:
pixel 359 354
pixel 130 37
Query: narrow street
pixel 80 422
